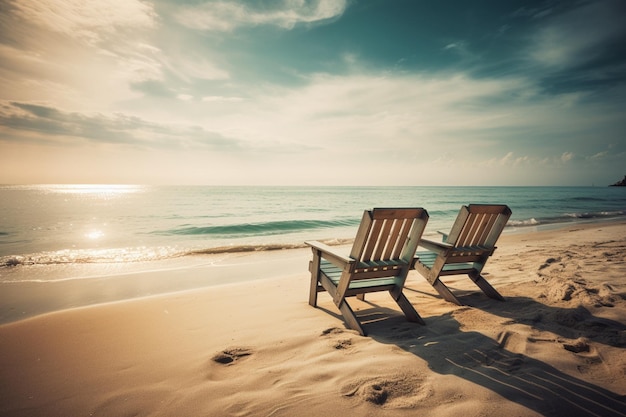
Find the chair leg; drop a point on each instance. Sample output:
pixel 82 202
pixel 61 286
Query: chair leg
pixel 486 287
pixel 350 318
pixel 445 292
pixel 313 292
pixel 314 268
pixel 408 309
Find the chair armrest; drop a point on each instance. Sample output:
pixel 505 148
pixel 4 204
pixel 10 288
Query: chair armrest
pixel 329 253
pixel 439 247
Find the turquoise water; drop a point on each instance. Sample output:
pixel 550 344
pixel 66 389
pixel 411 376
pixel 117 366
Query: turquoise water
pixel 57 224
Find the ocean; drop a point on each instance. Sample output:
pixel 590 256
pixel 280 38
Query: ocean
pixel 71 224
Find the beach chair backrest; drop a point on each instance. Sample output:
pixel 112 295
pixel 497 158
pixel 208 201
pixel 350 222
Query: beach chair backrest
pixel 389 235
pixel 479 225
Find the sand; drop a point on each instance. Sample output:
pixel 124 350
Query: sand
pixel 169 342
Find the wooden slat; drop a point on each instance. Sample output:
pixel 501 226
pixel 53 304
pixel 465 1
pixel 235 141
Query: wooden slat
pixel 328 252
pixel 457 227
pixel 414 236
pixel 485 226
pixel 374 278
pixel 396 213
pixel 488 208
pixel 376 273
pixel 372 240
pixel 455 268
pixel 361 236
pixel 376 265
pixel 395 240
pixel 497 228
pixel 489 224
pixel 474 222
pixel 464 258
pixel 426 255
pixel 407 227
pixel 465 231
pixel 365 290
pixel 459 269
pixel 383 239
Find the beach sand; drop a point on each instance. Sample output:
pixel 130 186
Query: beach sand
pixel 169 342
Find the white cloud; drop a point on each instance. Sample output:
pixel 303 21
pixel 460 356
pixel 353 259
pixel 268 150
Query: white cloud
pixel 567 156
pixel 221 99
pixel 462 49
pixel 374 110
pixel 188 68
pixel 576 37
pixel 506 159
pixel 509 160
pixel 88 20
pixel 78 54
pixel 220 16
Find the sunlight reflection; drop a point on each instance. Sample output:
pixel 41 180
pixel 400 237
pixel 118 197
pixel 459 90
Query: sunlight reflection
pixel 93 188
pixel 94 234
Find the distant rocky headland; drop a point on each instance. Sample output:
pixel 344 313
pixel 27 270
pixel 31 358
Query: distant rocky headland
pixel 621 183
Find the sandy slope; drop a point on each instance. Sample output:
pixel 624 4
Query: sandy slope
pixel 556 346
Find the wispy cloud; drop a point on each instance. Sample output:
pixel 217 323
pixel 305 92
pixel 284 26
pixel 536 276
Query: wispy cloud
pixel 463 51
pixel 221 16
pixel 66 50
pixel 87 20
pixel 227 81
pixel 60 128
pixel 580 35
pixel 567 156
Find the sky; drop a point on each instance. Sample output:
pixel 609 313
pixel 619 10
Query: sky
pixel 313 92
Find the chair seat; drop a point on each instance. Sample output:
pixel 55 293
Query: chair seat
pixel 428 259
pixel 334 274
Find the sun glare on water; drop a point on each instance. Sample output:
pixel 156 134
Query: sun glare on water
pixel 94 234
pixel 98 189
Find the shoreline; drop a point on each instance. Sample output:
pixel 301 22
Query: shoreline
pixel 22 299
pixel 133 256
pixel 556 346
pixel 68 286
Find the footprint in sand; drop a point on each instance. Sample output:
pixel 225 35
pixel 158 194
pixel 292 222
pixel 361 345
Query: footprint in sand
pixel 393 391
pixel 512 341
pixel 577 346
pixel 343 344
pixel 548 262
pixel 332 330
pixel 228 356
pixel 338 343
pixel 586 352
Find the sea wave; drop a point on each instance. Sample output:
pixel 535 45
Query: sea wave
pixel 519 223
pixel 585 198
pixel 567 217
pixel 142 254
pixel 599 214
pixel 82 256
pixel 258 229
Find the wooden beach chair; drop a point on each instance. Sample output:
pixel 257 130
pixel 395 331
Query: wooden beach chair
pixel 465 250
pixel 381 257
